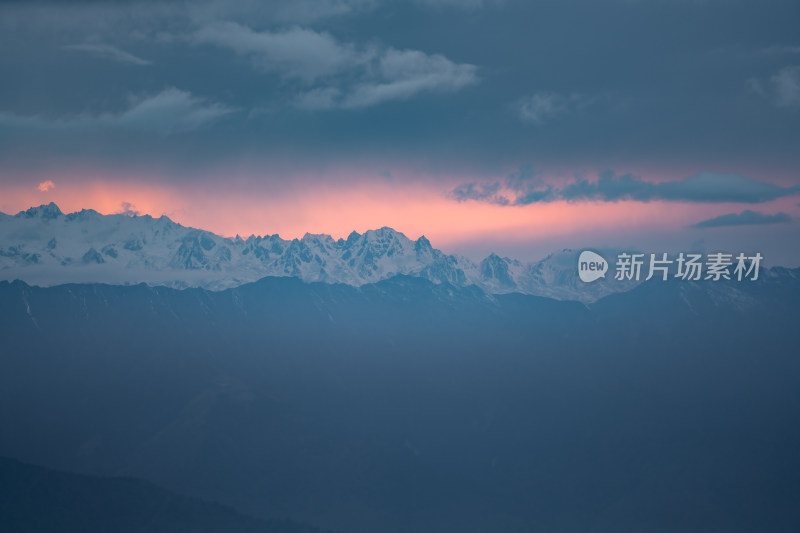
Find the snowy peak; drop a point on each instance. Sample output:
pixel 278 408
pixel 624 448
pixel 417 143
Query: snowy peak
pixel 44 212
pixel 495 270
pixel 423 245
pixel 44 246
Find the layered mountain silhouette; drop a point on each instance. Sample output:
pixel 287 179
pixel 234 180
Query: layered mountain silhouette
pixel 43 246
pixel 412 406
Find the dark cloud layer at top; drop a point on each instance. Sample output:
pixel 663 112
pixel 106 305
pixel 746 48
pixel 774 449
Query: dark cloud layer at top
pixel 456 84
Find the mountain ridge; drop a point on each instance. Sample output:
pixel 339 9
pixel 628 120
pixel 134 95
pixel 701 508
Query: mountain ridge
pixel 44 246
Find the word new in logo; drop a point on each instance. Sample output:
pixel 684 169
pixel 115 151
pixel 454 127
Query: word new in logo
pixel 591 266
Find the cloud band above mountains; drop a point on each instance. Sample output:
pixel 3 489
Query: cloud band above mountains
pixel 745 218
pixel 524 188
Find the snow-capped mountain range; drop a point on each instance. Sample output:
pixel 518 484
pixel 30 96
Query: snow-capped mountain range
pixel 44 246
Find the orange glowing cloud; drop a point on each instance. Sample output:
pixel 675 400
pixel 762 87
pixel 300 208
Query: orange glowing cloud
pixel 46 185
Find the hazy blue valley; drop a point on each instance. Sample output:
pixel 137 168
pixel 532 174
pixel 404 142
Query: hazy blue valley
pixel 411 406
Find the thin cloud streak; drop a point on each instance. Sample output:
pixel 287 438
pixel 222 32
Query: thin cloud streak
pixel 107 51
pixel 168 112
pixel 745 218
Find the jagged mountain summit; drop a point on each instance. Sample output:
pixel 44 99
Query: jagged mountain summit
pixel 44 246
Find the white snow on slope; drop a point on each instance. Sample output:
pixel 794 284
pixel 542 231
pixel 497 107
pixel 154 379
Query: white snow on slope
pixel 43 246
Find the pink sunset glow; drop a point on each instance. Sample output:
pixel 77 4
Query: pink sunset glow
pixel 414 207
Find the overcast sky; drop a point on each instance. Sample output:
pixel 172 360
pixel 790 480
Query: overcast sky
pixel 511 126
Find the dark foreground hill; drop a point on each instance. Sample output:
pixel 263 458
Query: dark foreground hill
pixel 39 500
pixel 406 406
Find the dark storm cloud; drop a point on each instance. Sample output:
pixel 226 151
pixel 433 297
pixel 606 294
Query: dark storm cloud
pixel 706 187
pixel 340 75
pixel 522 189
pixel 482 192
pixel 295 52
pixel 589 83
pixel 745 218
